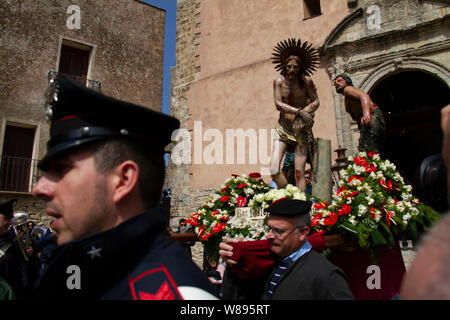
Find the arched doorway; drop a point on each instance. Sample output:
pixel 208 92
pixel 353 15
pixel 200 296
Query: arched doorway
pixel 411 102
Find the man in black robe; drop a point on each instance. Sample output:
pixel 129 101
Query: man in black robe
pixel 299 273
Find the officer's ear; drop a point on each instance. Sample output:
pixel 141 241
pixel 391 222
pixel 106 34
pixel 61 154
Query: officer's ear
pixel 124 179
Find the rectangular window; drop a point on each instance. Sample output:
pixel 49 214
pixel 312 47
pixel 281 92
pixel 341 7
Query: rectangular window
pixel 16 161
pixel 74 60
pixel 311 8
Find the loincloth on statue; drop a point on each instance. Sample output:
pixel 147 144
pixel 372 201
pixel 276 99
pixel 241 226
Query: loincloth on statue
pixel 304 137
pixel 372 137
pixel 291 139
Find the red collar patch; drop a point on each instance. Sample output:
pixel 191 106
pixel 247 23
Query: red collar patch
pixel 154 284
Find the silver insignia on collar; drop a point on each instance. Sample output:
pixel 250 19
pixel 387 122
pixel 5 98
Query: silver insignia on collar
pixel 94 252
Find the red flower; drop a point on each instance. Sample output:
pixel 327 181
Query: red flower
pixel 224 198
pixel 371 168
pixel 242 185
pixel 387 186
pixel 354 193
pixel 219 227
pixel 224 189
pixel 192 222
pixel 331 220
pixel 346 209
pixel 234 175
pixel 321 205
pixel 255 175
pixel 214 213
pixel 340 190
pixel 361 162
pixel 241 201
pixel 372 212
pixel 372 153
pixel 206 236
pixel 388 216
pixel 315 219
pixel 355 177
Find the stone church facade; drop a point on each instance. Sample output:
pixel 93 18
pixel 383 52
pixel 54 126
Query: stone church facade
pixel 223 70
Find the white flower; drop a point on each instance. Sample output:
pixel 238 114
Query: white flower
pixel 350 158
pixel 363 154
pixel 380 175
pixel 361 210
pixel 249 191
pixel 408 188
pixel 370 201
pixel 415 211
pixel 299 196
pixel 376 157
pixel 352 220
pixel 372 175
pixel 406 196
pixel 259 197
pixel 406 218
pixel 400 206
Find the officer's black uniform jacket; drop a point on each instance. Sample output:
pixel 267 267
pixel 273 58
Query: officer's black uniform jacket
pixel 311 277
pixel 136 260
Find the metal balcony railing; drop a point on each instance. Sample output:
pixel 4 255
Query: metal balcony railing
pixel 18 174
pixel 92 84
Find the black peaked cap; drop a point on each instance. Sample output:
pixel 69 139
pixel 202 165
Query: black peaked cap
pixel 80 115
pixel 7 208
pixel 289 207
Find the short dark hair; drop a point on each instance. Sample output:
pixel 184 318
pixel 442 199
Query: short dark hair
pixel 345 77
pixel 111 152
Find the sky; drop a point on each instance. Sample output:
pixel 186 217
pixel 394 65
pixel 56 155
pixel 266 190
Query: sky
pixel 169 44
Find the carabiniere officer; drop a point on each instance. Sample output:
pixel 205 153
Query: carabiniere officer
pixel 103 176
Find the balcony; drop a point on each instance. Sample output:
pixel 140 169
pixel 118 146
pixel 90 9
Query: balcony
pixel 18 174
pixel 92 84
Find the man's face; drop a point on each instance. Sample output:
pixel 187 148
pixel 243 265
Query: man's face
pixel 292 69
pixel 4 224
pixel 307 178
pixel 77 195
pixel 284 237
pixel 339 84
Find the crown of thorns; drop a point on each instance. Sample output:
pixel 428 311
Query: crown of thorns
pixel 292 47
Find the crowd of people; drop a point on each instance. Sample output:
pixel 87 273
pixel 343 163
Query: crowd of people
pixel 25 251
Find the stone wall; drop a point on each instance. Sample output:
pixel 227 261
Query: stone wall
pixel 187 68
pixel 126 38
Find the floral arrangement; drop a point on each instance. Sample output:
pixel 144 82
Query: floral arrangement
pixel 216 217
pixel 372 204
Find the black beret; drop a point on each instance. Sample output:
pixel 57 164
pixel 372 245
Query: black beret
pixel 7 208
pixel 289 207
pixel 80 115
